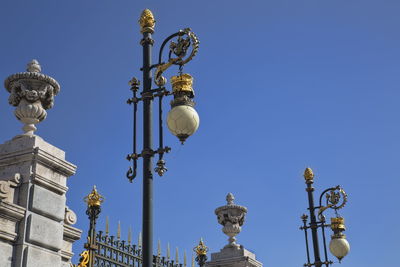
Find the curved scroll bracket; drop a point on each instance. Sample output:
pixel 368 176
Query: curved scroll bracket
pixel 336 198
pixel 179 52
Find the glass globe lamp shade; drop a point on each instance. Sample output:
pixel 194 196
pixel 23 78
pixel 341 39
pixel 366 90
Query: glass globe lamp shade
pixel 183 121
pixel 339 247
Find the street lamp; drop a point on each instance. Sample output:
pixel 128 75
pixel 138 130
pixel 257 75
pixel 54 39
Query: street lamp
pixel 336 199
pixel 182 120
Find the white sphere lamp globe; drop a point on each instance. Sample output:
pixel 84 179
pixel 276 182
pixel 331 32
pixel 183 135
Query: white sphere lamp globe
pixel 183 121
pixel 339 247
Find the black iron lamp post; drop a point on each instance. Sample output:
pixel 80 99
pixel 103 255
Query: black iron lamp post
pixel 336 199
pixel 182 120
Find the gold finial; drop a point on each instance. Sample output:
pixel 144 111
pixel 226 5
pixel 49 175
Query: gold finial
pixel 168 251
pixel 308 174
pixel 201 249
pixel 184 258
pixel 140 240
pixel 159 248
pixel 192 260
pixel 130 235
pixel 147 21
pixel 107 226
pixel 177 256
pixel 119 230
pixel 94 199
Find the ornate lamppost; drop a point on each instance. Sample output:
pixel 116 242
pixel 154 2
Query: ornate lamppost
pixel 335 198
pixel 182 120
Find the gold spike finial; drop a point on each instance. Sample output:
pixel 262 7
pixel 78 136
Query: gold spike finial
pixel 130 235
pixel 94 199
pixel 107 226
pixel 147 21
pixel 159 248
pixel 308 174
pixel 177 255
pixel 192 260
pixel 140 240
pixel 168 251
pixel 119 230
pixel 184 258
pixel 201 249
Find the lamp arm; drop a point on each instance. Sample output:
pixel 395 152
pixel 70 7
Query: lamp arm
pixel 336 199
pixel 179 49
pixel 323 193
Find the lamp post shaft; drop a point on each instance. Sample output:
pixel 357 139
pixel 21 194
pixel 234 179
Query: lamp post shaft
pixel 147 226
pixel 313 223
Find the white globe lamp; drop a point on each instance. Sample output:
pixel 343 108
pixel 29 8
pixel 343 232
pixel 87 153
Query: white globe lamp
pixel 338 246
pixel 182 120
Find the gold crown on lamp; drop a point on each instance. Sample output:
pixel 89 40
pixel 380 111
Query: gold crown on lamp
pixel 94 199
pixel 201 249
pixel 338 224
pixel 183 82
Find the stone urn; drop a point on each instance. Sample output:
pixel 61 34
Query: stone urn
pixel 231 217
pixel 32 93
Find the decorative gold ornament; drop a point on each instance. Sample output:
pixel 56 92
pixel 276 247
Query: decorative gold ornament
pixel 308 174
pixel 183 82
pixel 94 199
pixel 83 261
pixel 201 249
pixel 337 224
pixel 147 21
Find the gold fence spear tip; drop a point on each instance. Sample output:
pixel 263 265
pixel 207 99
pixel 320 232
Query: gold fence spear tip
pixel 159 248
pixel 130 235
pixel 140 240
pixel 308 174
pixel 107 225
pixel 184 258
pixel 192 260
pixel 119 230
pixel 168 251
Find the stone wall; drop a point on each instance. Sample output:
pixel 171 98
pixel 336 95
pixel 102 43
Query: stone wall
pixel 34 220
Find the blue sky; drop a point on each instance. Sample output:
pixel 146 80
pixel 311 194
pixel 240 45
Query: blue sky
pixel 280 85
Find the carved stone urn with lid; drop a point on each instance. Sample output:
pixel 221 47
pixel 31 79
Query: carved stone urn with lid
pixel 231 217
pixel 32 93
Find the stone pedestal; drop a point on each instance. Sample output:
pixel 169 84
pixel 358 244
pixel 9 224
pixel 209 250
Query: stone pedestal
pixel 233 257
pixel 35 224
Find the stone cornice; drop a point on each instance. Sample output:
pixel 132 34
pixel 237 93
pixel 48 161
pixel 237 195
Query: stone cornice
pixel 71 233
pixel 49 184
pixel 11 211
pixel 36 154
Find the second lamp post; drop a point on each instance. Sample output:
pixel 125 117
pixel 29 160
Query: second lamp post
pixel 336 199
pixel 182 120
